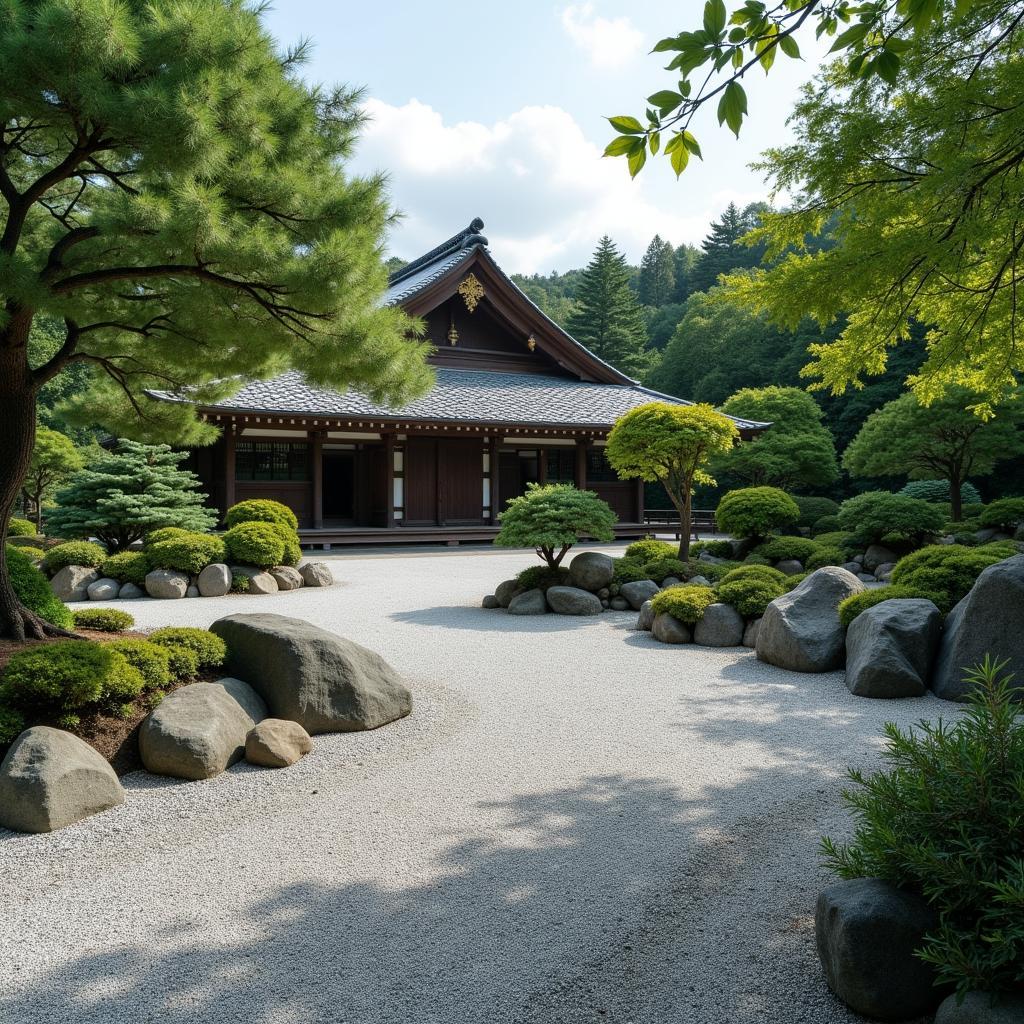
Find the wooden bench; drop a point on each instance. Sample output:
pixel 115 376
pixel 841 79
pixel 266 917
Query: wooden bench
pixel 701 520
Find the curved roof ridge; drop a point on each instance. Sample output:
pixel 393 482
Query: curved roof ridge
pixel 464 239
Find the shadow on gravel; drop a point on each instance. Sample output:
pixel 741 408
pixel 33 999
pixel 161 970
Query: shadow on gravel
pixel 559 913
pixel 493 620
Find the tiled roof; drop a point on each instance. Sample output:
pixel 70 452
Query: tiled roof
pixel 469 396
pixel 405 287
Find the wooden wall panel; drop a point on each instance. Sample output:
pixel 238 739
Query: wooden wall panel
pixel 296 494
pixel 461 474
pixel 420 481
pixel 621 496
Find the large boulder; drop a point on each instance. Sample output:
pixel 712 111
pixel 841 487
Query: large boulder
pixel 130 592
pixel 104 589
pixel 982 1008
pixel 214 580
pixel 286 577
pixel 720 626
pixel 645 620
pixel 529 602
pixel 198 730
pixel 276 743
pixel 505 591
pixel 801 629
pixel 260 581
pixel 167 583
pixel 308 675
pixel 573 601
pixel 867 932
pixel 316 574
pixel 669 630
pixel 72 582
pixel 890 648
pixel 591 570
pixel 878 554
pixel 638 592
pixel 51 778
pixel 989 620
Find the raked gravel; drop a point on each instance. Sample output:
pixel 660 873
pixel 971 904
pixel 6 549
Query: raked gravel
pixel 575 824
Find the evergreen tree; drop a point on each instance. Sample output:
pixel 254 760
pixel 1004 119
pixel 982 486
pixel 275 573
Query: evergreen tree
pixel 686 258
pixel 608 320
pixel 54 459
pixel 657 274
pixel 127 493
pixel 723 251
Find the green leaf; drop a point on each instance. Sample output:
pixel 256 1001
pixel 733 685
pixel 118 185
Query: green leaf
pixel 654 141
pixel 766 50
pixel 887 66
pixel 671 43
pixel 789 47
pixel 715 16
pixel 732 107
pixel 679 158
pixel 626 125
pixel 619 146
pixel 665 100
pixel 691 144
pixel 850 37
pixel 636 160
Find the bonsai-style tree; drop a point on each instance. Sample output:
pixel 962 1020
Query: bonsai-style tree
pixel 798 451
pixel 54 459
pixel 173 196
pixel 671 444
pixel 127 493
pixel 945 439
pixel 552 518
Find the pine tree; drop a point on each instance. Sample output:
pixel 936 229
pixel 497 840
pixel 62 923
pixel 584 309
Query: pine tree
pixel 608 319
pixel 657 274
pixel 722 251
pixel 127 493
pixel 686 258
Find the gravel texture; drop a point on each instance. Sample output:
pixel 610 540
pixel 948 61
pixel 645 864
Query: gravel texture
pixel 576 823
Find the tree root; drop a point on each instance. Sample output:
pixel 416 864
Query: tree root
pixel 29 626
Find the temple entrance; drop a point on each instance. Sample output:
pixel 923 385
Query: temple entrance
pixel 340 487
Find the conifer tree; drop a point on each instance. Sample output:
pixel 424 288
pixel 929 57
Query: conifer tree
pixel 722 251
pixel 657 274
pixel 608 319
pixel 686 258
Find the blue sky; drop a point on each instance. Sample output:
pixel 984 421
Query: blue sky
pixel 496 110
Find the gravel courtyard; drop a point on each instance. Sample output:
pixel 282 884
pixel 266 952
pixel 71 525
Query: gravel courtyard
pixel 575 824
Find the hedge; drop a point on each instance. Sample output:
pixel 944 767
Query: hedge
pixel 105 620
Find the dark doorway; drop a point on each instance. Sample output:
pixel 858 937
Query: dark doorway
pixel 339 487
pixel 516 469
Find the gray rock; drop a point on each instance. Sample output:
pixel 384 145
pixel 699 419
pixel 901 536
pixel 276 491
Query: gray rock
pixel 669 630
pixel 801 630
pixel 260 581
pixel 166 583
pixel 316 574
pixel 198 730
pixel 529 602
pixel 989 620
pixel 884 571
pixel 638 592
pixel 982 1008
pixel 866 577
pixel 286 577
pixel 276 743
pixel 573 601
pixel 672 581
pixel 790 566
pixel 989 534
pixel 72 583
pixel 606 602
pixel 1018 534
pixel 51 778
pixel 859 559
pixel 130 592
pixel 591 570
pixel 947 539
pixel 604 593
pixel 720 626
pixel 618 604
pixel 104 589
pixel 645 620
pixel 490 601
pixel 698 581
pixel 193 591
pixel 711 559
pixel 504 592
pixel 750 633
pixel 853 567
pixel 890 648
pixel 215 580
pixel 308 675
pixel 876 555
pixel 867 931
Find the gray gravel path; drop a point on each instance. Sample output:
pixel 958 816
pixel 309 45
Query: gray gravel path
pixel 575 824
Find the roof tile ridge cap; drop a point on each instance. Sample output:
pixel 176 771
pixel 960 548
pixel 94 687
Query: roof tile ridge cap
pixel 463 239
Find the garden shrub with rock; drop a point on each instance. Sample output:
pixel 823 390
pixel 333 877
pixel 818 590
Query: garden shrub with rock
pixel 1005 514
pixel 826 524
pixel 127 567
pixel 946 572
pixel 686 604
pixel 103 620
pixel 852 606
pixel 651 550
pixel 153 661
pixel 756 512
pixel 261 510
pixel 187 552
pixel 540 576
pixel 750 595
pixel 255 543
pixel 813 509
pixel 780 549
pixel 75 552
pixel 208 648
pixel 879 517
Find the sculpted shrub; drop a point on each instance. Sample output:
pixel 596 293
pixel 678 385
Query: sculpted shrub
pixel 948 571
pixel 151 660
pixel 261 510
pixel 750 595
pixel 852 606
pixel 105 620
pixel 878 517
pixel 540 577
pixel 812 509
pixel 756 512
pixel 186 552
pixel 75 552
pixel 1004 514
pixel 779 549
pixel 255 543
pixel 650 550
pixel 20 528
pixel 685 603
pixel 127 567
pixel 209 649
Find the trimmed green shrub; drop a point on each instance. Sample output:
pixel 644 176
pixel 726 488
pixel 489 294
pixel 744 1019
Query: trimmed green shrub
pixel 20 528
pixel 32 553
pixel 753 559
pixel 879 517
pixel 106 620
pixel 650 550
pixel 852 606
pixel 826 524
pixel 756 512
pixel 938 491
pixel 835 539
pixel 944 820
pixel 35 541
pixel 152 661
pixel 684 603
pixel 209 649
pixel 813 508
pixel 187 552
pixel 1005 514
pixel 973 509
pixel 948 571
pixel 261 510
pixel 239 583
pixel 662 567
pixel 784 548
pixel 255 543
pixel 12 725
pixel 182 661
pixel 825 556
pixel 628 570
pixel 751 595
pixel 127 567
pixel 33 590
pixel 713 571
pixel 292 551
pixel 164 533
pixel 540 577
pixel 74 552
pixel 755 571
pixel 716 548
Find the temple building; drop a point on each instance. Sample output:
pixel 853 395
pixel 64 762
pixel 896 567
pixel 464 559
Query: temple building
pixel 516 400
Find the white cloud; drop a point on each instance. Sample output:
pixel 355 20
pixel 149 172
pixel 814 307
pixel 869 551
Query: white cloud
pixel 540 185
pixel 608 42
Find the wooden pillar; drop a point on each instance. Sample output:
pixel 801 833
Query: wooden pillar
pixel 495 480
pixel 316 441
pixel 582 448
pixel 542 465
pixel 639 502
pixel 389 481
pixel 229 466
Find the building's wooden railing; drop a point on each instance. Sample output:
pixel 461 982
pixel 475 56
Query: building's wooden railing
pixel 701 520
